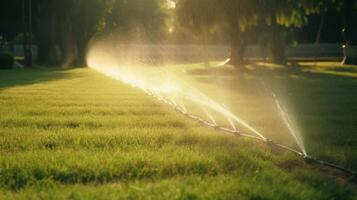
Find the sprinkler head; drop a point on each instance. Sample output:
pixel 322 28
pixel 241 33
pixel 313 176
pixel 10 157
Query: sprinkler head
pixel 269 141
pixel 310 160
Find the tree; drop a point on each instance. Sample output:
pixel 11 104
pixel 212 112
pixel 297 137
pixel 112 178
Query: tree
pixel 64 29
pixel 14 18
pixel 348 10
pixel 136 18
pixel 240 18
pixel 10 18
pixel 45 15
pixel 80 21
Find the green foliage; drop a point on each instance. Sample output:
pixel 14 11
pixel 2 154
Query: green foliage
pixel 245 20
pixel 6 60
pixel 241 14
pixel 3 44
pixel 10 18
pixel 239 19
pixel 136 18
pixel 246 13
pixel 85 15
pixel 320 6
pixel 70 24
pixel 197 15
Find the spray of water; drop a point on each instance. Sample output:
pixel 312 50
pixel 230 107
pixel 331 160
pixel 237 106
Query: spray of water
pixel 165 85
pixel 293 129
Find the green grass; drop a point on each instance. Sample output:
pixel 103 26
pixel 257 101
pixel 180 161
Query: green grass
pixel 76 134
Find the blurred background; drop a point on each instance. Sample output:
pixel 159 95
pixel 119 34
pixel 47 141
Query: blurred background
pixel 58 33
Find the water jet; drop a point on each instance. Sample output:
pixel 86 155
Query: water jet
pixel 169 89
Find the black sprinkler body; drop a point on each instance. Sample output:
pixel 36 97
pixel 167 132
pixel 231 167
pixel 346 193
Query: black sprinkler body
pixel 310 160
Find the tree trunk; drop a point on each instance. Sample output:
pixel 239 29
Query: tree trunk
pixel 277 46
pixel 82 51
pixel 25 39
pixel 82 34
pixel 68 50
pixel 238 40
pixel 46 35
pixel 81 41
pixel 205 51
pixel 66 41
pixel 47 52
pixel 237 53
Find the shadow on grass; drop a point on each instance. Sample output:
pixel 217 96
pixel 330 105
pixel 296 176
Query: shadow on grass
pixel 345 69
pixel 21 77
pixel 305 71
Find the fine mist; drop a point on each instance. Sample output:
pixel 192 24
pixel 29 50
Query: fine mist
pixel 198 89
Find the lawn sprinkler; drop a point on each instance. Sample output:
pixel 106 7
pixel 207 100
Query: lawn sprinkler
pixel 163 92
pixel 308 159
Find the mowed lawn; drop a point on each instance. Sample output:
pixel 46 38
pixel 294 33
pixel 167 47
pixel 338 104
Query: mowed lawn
pixel 76 134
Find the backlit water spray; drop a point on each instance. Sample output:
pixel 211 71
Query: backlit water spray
pixel 166 86
pixel 163 84
pixel 293 130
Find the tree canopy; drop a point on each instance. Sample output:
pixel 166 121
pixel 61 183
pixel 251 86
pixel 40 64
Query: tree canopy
pixel 243 19
pixel 139 18
pixel 63 29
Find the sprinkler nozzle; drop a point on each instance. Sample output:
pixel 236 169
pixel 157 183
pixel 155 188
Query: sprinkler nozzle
pixel 310 160
pixel 269 141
